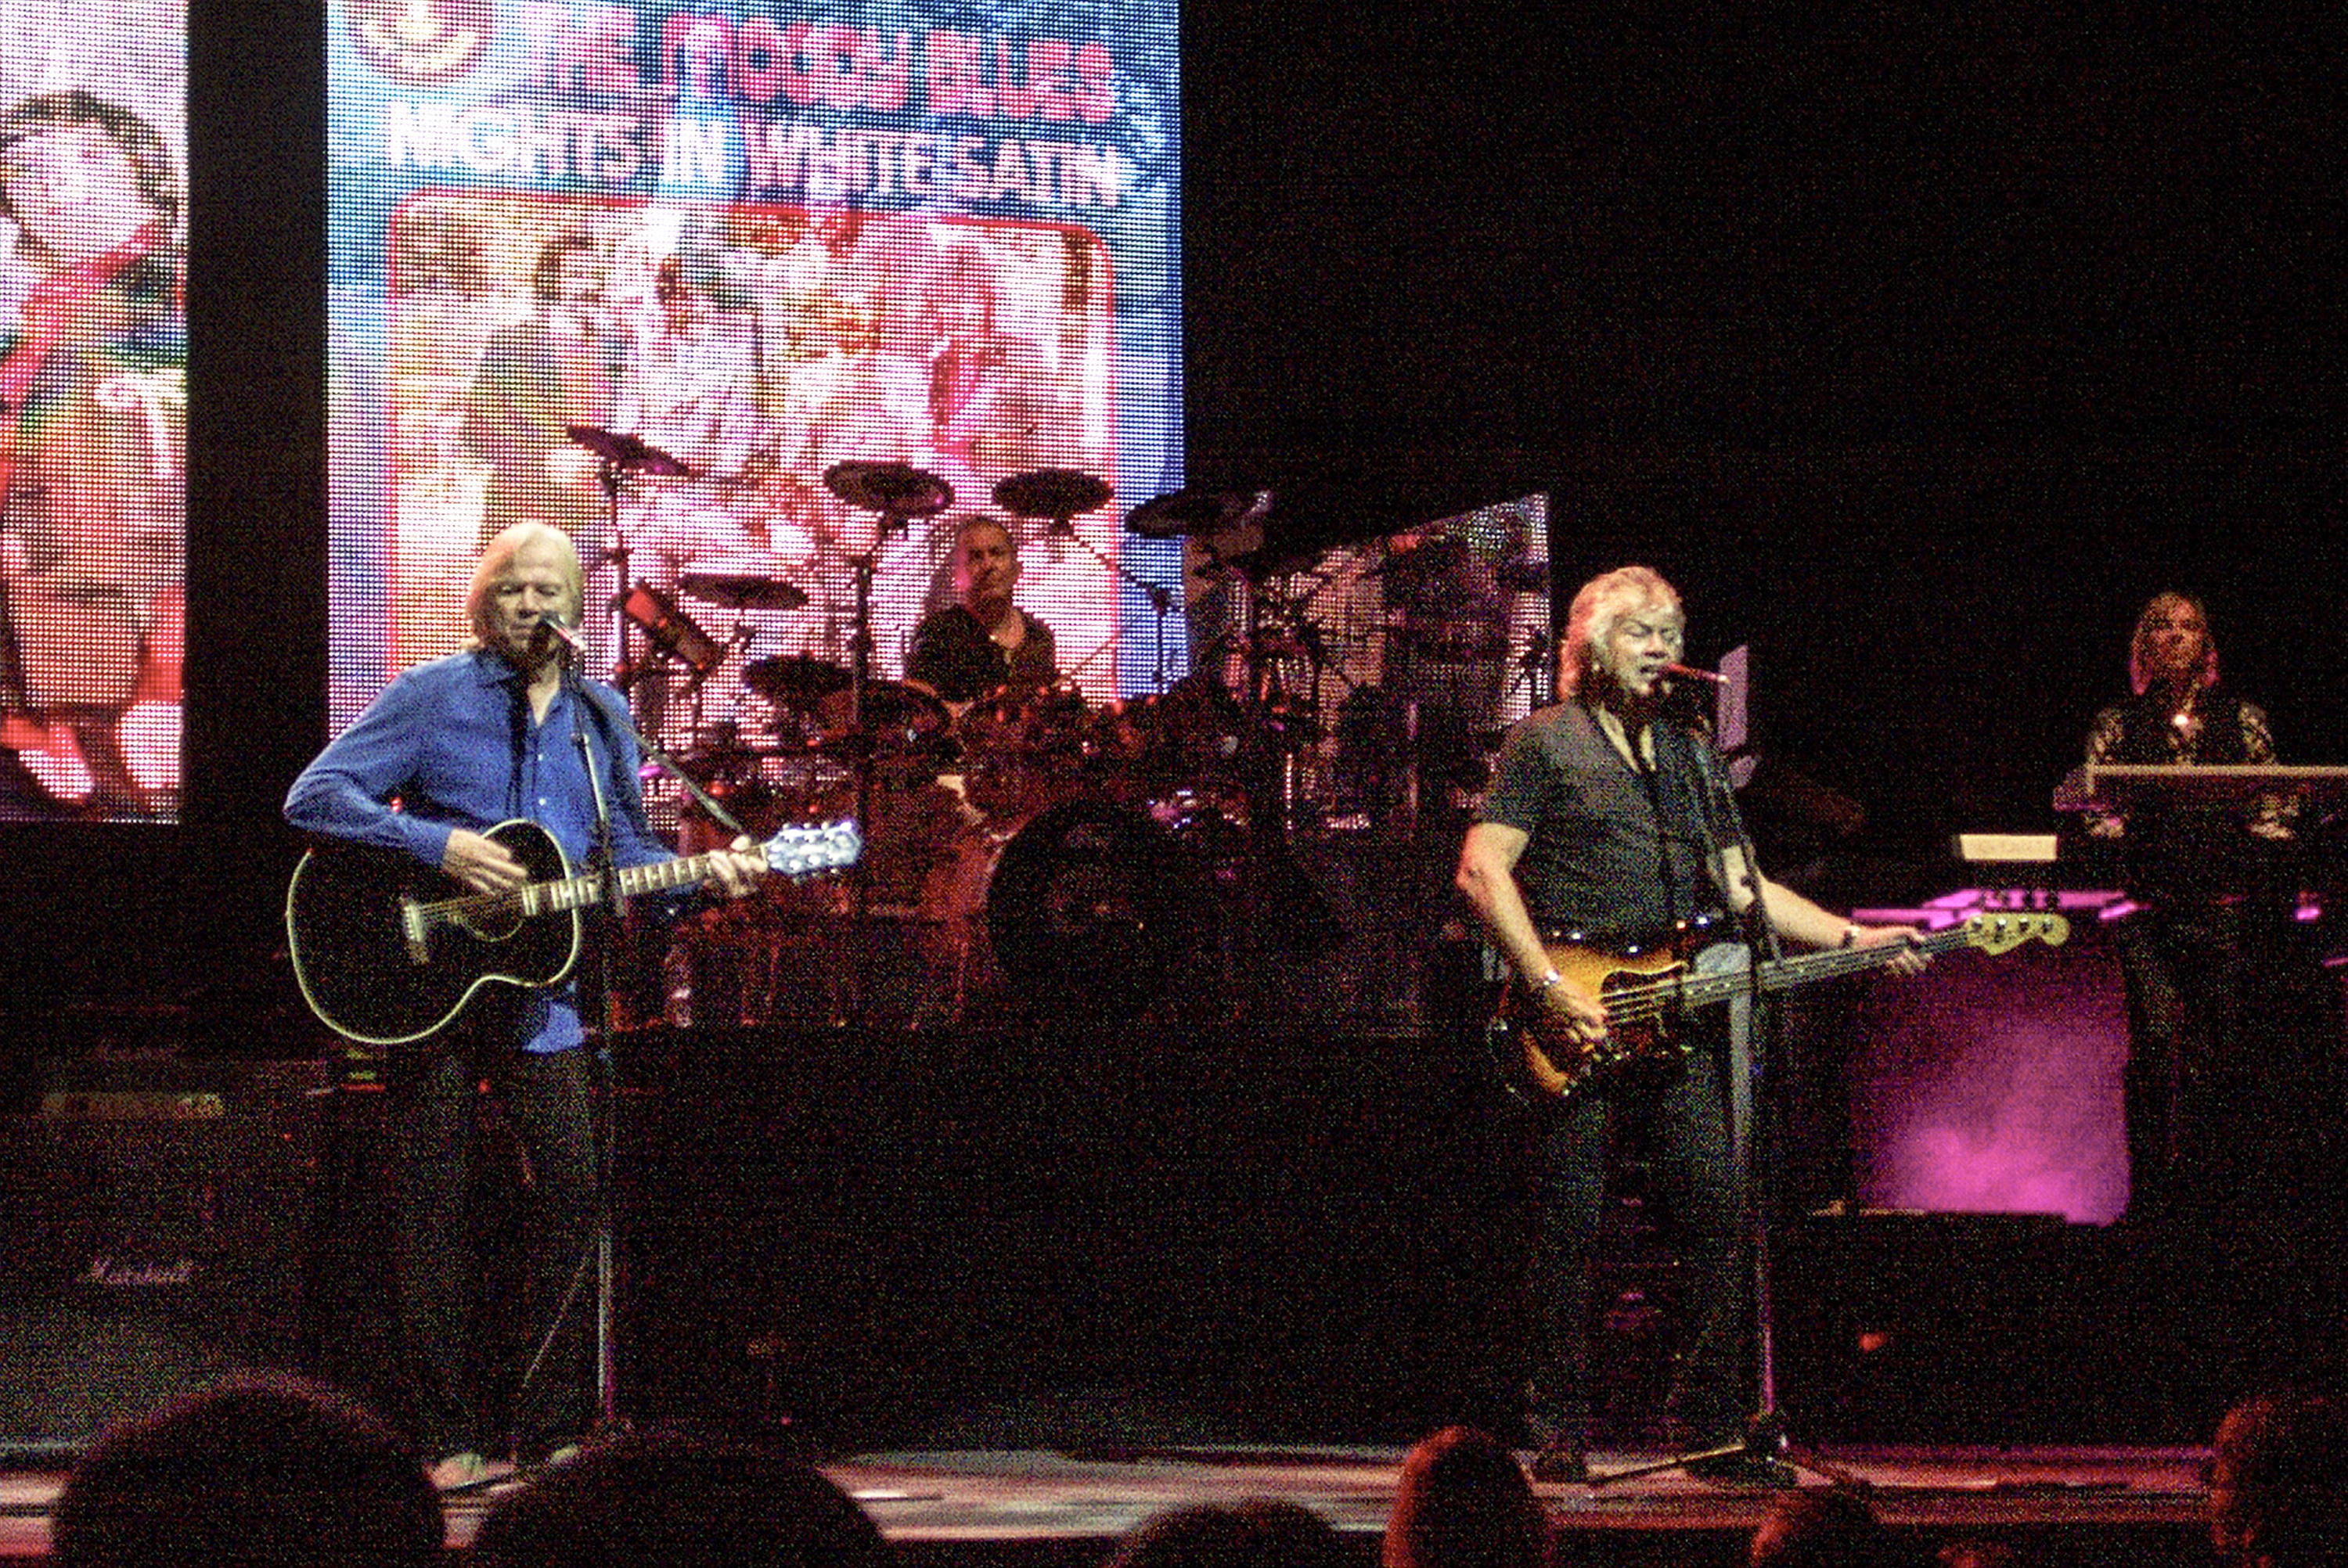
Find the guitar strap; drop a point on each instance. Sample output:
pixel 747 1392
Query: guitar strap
pixel 517 728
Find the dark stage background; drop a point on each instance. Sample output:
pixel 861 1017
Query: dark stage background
pixel 1917 355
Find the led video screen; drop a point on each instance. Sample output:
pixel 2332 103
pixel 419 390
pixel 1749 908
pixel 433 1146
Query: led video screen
pixel 652 273
pixel 93 408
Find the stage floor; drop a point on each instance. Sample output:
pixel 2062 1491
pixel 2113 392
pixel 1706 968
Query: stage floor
pixel 1042 1504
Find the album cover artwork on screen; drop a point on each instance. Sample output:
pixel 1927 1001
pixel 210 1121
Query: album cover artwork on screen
pixel 93 409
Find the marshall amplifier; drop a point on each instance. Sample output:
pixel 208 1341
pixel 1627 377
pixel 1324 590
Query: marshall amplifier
pixel 154 1237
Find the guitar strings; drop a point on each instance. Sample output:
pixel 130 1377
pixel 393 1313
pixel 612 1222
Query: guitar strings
pixel 1649 1002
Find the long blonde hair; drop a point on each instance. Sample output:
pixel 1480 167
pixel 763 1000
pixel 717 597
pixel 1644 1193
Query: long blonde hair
pixel 2139 671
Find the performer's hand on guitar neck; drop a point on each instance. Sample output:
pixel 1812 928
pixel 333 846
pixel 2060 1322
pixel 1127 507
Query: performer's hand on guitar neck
pixel 1907 963
pixel 481 863
pixel 737 868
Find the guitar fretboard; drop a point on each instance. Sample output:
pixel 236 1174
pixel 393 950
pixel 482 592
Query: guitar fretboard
pixel 1650 998
pixel 812 849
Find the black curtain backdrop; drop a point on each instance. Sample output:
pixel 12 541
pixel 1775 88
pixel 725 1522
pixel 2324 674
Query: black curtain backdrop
pixel 1917 353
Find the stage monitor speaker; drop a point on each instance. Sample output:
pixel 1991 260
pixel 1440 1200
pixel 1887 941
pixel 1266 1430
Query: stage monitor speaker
pixel 152 1239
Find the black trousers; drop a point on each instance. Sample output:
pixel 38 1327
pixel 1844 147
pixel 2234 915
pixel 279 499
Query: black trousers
pixel 452 1361
pixel 1682 1122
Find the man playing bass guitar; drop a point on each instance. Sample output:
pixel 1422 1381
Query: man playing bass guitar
pixel 1597 826
pixel 501 732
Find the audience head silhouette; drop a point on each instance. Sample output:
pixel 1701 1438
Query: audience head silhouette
pixel 2278 1485
pixel 1464 1503
pixel 671 1499
pixel 259 1472
pixel 1260 1533
pixel 1821 1529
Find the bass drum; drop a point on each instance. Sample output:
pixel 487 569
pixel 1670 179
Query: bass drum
pixel 1096 906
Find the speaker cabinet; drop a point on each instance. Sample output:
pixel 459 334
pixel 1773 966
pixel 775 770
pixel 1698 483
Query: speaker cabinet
pixel 154 1237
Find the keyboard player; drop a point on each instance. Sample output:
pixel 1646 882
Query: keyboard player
pixel 2206 952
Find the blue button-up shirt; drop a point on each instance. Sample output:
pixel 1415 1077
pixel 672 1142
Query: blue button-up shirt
pixel 453 742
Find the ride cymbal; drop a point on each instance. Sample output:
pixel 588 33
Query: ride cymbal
pixel 899 489
pixel 629 454
pixel 742 590
pixel 1181 512
pixel 1057 492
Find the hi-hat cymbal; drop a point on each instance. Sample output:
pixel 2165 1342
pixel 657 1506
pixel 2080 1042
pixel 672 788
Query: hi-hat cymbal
pixel 629 454
pixel 738 589
pixel 900 490
pixel 793 679
pixel 1181 512
pixel 1057 492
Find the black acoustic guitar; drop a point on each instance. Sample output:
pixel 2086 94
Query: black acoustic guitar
pixel 389 950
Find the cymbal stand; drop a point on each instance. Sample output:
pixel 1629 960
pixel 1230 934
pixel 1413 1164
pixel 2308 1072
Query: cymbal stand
pixel 866 564
pixel 1269 705
pixel 609 477
pixel 1161 598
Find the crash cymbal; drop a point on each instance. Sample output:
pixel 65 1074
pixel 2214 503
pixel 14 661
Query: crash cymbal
pixel 629 454
pixel 900 490
pixel 793 679
pixel 742 590
pixel 1057 492
pixel 1181 512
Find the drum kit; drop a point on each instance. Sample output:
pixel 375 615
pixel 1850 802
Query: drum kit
pixel 1078 853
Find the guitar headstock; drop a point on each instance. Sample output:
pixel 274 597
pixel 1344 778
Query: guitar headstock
pixel 802 851
pixel 2002 929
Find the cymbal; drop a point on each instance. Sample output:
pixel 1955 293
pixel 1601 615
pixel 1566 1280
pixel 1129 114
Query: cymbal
pixel 900 490
pixel 793 679
pixel 742 590
pixel 1057 492
pixel 629 454
pixel 1181 512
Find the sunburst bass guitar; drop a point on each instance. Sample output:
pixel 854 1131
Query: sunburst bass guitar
pixel 389 951
pixel 1648 994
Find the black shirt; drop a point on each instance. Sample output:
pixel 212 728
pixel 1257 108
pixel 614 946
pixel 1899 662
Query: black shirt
pixel 954 656
pixel 1612 851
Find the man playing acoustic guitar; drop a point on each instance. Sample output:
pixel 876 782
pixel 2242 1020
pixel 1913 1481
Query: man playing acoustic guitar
pixel 1605 826
pixel 499 734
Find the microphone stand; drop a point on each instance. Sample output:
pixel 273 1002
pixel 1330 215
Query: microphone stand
pixel 603 1252
pixel 602 1129
pixel 1763 1445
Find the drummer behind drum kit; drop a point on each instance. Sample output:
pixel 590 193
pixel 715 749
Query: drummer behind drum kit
pixel 1086 855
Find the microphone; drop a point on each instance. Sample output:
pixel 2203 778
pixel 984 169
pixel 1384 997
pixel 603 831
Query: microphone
pixel 1689 672
pixel 562 633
